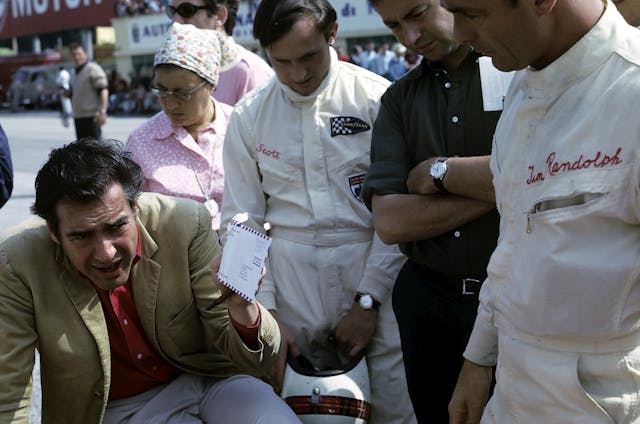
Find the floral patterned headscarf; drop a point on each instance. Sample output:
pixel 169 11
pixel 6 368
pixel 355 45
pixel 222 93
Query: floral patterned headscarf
pixel 203 51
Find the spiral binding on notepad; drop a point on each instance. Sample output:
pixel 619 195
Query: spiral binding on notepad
pixel 236 291
pixel 249 229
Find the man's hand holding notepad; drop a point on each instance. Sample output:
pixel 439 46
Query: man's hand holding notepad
pixel 243 258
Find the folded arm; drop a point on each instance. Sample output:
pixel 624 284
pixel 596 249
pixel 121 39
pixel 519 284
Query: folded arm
pixel 468 177
pixel 401 218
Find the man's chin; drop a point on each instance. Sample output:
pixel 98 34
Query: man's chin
pixel 507 67
pixel 112 280
pixel 111 284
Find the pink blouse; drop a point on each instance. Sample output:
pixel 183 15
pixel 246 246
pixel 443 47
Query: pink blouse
pixel 175 164
pixel 250 72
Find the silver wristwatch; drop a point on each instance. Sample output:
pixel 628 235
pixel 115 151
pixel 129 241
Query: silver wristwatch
pixel 366 301
pixel 438 171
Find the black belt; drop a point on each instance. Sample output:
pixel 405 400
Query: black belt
pixel 461 285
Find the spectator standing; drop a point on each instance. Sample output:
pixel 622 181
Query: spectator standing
pixel 139 93
pixel 299 149
pixel 397 64
pixel 342 55
pixel 90 94
pixel 152 6
pixel 380 64
pixel 6 169
pixel 122 8
pixel 356 52
pixel 63 80
pixel 249 71
pixel 559 311
pixel 429 186
pixel 119 94
pixel 180 148
pixel 123 305
pixel 368 55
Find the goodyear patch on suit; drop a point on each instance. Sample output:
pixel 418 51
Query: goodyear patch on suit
pixel 347 125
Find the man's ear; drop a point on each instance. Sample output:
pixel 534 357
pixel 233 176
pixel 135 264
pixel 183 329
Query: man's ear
pixel 334 32
pixel 221 17
pixel 52 234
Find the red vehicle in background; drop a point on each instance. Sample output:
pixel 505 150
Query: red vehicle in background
pixel 10 64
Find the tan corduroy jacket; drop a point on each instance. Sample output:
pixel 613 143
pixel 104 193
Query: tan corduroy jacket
pixel 44 304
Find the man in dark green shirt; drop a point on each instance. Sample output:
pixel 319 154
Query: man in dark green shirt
pixel 430 189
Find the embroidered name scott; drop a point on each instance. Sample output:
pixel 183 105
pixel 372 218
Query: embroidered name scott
pixel 273 153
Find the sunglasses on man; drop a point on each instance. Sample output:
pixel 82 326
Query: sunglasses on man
pixel 186 10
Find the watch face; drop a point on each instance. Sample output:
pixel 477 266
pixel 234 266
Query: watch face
pixel 438 169
pixel 366 301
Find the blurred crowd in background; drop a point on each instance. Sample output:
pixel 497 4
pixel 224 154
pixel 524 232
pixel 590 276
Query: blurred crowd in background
pixel 34 87
pixel 133 94
pixel 390 63
pixel 139 7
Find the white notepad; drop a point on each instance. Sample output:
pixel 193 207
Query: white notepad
pixel 243 257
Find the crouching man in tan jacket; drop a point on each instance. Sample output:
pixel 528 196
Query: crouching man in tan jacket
pixel 115 288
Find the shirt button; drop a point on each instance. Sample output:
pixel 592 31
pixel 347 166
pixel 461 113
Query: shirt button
pixel 456 234
pixel 154 368
pixel 125 322
pixel 447 84
pixel 455 119
pixel 139 356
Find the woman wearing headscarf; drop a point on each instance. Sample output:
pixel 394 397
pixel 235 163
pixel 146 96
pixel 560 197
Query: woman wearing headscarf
pixel 180 148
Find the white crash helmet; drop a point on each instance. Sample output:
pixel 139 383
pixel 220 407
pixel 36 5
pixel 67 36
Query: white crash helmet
pixel 330 396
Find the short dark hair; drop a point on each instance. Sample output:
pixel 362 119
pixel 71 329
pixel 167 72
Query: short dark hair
pixel 83 171
pixel 232 12
pixel 275 18
pixel 75 45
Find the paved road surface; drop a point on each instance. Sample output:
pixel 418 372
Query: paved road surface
pixel 32 135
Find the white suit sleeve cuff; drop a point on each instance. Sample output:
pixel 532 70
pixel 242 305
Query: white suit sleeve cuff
pixel 482 348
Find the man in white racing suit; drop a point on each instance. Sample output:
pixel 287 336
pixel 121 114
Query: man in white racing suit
pixel 561 304
pixel 296 153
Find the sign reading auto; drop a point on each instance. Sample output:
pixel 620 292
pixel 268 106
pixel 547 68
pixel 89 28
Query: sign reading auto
pixel 32 17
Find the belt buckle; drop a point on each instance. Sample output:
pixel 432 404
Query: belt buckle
pixel 466 281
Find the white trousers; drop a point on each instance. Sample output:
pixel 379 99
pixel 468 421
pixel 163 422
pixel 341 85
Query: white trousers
pixel 191 399
pixel 315 287
pixel 536 385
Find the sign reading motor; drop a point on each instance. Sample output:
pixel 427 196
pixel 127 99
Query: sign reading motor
pixel 32 17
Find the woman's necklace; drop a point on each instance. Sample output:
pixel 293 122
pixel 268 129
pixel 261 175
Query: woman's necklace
pixel 209 203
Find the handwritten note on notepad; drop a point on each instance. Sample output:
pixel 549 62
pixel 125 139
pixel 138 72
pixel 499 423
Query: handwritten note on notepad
pixel 245 251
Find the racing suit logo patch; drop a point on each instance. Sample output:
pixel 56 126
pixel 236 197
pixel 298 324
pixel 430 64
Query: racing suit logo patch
pixel 355 185
pixel 347 125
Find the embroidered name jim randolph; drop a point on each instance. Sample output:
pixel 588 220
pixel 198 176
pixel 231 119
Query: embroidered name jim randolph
pixel 600 160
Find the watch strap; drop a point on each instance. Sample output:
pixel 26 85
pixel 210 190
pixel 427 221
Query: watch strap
pixel 440 185
pixel 439 182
